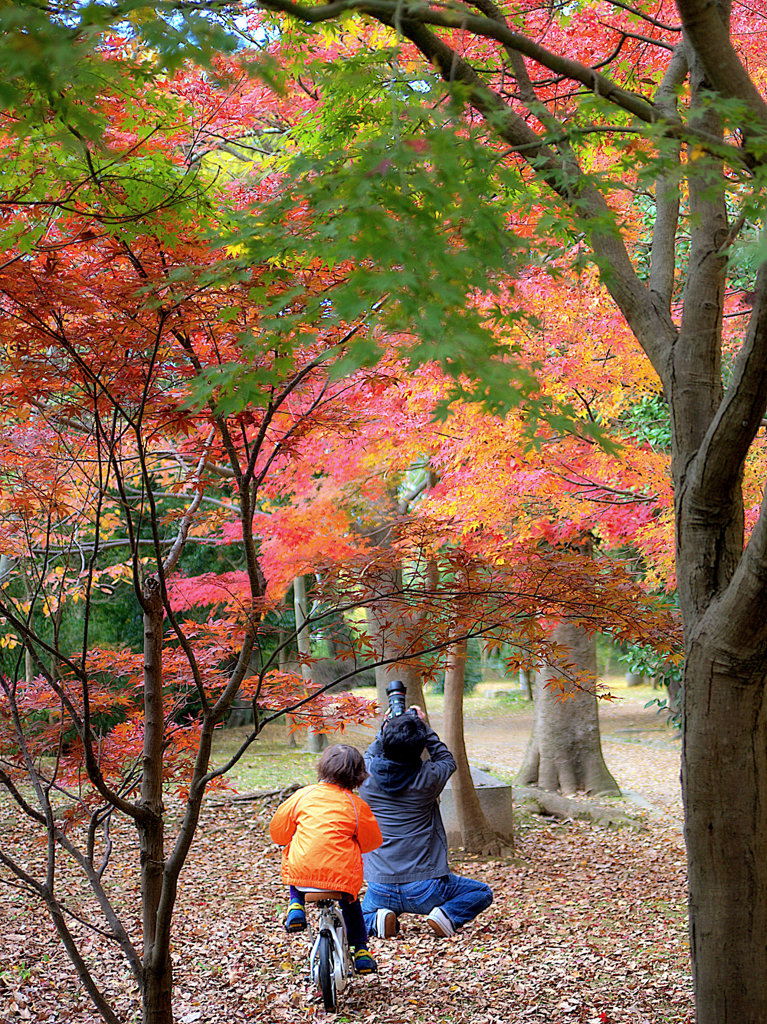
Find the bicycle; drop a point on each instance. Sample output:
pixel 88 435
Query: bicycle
pixel 330 962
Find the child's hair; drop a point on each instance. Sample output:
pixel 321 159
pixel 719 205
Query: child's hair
pixel 342 765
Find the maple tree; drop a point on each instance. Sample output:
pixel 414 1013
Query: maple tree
pixel 403 569
pixel 495 516
pixel 459 163
pixel 115 305
pixel 112 305
pixel 568 491
pixel 668 206
pixel 475 476
pixel 374 226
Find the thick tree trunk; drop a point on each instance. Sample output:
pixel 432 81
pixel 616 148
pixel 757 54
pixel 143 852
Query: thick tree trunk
pixel 722 587
pixel 477 835
pixel 157 968
pixel 725 787
pixel 565 750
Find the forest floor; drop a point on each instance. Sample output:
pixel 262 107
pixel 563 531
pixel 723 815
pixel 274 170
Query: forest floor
pixel 587 926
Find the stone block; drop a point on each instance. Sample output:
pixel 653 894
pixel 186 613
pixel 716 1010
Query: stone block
pixel 494 799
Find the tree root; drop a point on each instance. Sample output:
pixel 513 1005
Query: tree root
pixel 259 794
pixel 540 801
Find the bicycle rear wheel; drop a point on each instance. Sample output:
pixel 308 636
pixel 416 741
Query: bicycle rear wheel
pixel 327 972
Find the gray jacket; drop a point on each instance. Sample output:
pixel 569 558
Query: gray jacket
pixel 405 800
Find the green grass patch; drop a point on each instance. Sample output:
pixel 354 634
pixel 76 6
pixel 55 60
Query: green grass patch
pixel 267 764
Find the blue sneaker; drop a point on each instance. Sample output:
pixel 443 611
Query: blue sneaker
pixel 296 919
pixel 364 962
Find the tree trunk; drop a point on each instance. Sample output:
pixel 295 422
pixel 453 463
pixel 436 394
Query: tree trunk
pixel 157 968
pixel 283 656
pixel 158 992
pixel 388 623
pixel 725 781
pixel 565 750
pixel 484 660
pixel 316 738
pixel 477 835
pixel 393 617
pixel 526 681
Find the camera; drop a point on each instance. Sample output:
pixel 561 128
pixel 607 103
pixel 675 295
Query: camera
pixel 395 691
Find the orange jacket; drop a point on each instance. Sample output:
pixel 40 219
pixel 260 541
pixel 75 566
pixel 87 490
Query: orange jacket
pixel 325 830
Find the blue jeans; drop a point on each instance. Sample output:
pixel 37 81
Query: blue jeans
pixel 460 898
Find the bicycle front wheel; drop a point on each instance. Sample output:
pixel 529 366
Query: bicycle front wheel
pixel 327 973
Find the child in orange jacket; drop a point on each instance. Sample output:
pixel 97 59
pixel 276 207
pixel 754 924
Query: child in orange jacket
pixel 325 829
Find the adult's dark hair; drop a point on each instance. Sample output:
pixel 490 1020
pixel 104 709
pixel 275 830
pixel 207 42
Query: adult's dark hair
pixel 404 738
pixel 342 765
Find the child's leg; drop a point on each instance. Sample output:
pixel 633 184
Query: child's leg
pixel 356 932
pixel 296 919
pixel 357 935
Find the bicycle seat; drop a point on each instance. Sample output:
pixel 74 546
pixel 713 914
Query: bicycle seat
pixel 323 894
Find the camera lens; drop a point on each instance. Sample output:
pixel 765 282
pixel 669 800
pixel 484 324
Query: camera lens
pixel 395 691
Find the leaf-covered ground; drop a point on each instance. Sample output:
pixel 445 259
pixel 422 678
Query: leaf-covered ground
pixel 587 925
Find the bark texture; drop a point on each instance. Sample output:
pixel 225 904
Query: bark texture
pixel 316 739
pixel 157 988
pixel 395 609
pixel 565 749
pixel 540 801
pixel 724 775
pixel 477 834
pixel 387 625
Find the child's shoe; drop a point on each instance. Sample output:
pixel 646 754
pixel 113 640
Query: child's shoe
pixel 364 962
pixel 296 919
